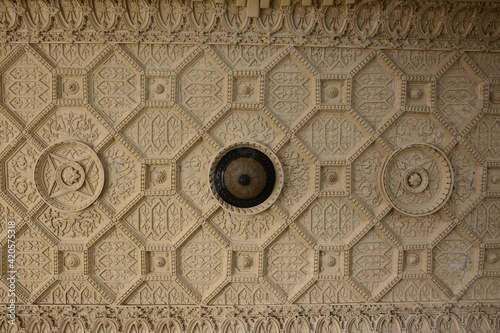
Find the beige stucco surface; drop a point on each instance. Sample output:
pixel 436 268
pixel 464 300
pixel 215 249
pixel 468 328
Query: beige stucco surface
pixel 383 115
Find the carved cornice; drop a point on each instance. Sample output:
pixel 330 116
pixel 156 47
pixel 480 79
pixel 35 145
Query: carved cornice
pixel 382 24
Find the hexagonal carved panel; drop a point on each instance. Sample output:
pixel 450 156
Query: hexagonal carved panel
pixel 26 86
pixel 289 90
pixel 115 261
pixel 201 263
pixel 373 261
pixel 288 262
pixel 458 94
pixel 375 92
pixel 115 86
pixel 455 261
pixel 34 260
pixel 202 88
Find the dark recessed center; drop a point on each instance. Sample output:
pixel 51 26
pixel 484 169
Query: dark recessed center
pixel 244 179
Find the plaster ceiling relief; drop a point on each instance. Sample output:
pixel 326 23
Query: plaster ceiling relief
pixel 380 120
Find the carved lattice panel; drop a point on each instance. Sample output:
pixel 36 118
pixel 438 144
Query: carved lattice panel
pixel 356 240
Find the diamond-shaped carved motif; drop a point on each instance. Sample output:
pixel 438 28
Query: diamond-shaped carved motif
pixel 159 292
pixel 375 92
pixel 245 294
pixel 416 229
pixel 115 261
pixel 201 262
pixel 26 86
pixel 455 261
pixel 115 87
pixel 374 260
pixel 288 261
pixel 202 88
pixel 6 214
pixel 159 133
pixel 332 135
pixel 485 220
pixel 458 95
pixel 289 90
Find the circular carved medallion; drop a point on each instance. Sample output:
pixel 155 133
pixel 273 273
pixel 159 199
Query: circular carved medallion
pixel 69 176
pixel 246 178
pixel 417 179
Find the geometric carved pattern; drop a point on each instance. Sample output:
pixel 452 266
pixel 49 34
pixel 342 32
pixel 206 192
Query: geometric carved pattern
pixel 485 137
pixel 116 261
pixel 71 123
pixel 115 87
pixel 366 170
pixel 243 228
pixel 455 261
pixel 159 292
pixel 485 220
pixel 244 293
pixel 202 88
pixel 290 89
pixel 72 292
pixel 458 95
pixel 373 261
pixel 288 262
pixel 34 260
pixel 69 176
pixel 67 226
pixel 201 263
pixel 26 87
pixel 410 128
pixel 375 96
pixel 467 172
pixel 157 88
pixel 159 219
pixel 158 133
pixel 331 135
pixel 412 291
pixel 329 292
pixel 330 220
pixel 19 168
pixel 297 169
pixel 417 179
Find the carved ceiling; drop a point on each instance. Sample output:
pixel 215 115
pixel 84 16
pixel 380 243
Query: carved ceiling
pixel 382 119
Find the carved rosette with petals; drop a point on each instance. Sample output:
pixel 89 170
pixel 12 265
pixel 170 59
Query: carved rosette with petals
pixel 69 176
pixel 417 179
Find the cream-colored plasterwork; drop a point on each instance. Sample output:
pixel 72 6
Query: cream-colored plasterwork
pixel 383 115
